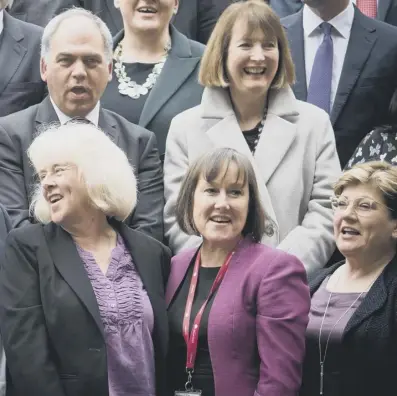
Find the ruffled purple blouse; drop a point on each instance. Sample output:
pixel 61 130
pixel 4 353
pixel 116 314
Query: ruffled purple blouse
pixel 127 318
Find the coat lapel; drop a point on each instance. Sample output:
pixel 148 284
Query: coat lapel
pixel 361 42
pixel 70 266
pixel 294 26
pixel 383 8
pixel 179 267
pixel 279 133
pixel 12 49
pixel 179 65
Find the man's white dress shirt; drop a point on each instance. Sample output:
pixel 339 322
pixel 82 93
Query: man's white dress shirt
pixel 313 37
pixel 92 116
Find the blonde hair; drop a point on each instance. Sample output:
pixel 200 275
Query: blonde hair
pixel 257 15
pixel 378 174
pixel 104 168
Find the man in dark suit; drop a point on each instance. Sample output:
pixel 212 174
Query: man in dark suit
pixel 195 18
pixel 5 227
pixel 347 66
pixel 76 63
pixel 386 9
pixel 20 82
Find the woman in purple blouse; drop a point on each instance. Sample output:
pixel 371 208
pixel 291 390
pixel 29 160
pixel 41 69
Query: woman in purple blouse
pixel 238 309
pixel 82 308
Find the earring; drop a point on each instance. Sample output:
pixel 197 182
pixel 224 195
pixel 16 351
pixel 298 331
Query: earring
pixel 175 10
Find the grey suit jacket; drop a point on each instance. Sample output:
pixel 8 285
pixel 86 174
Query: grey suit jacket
pixel 367 83
pixel 20 82
pixel 295 164
pixel 18 179
pixel 5 228
pixel 195 18
pixel 177 88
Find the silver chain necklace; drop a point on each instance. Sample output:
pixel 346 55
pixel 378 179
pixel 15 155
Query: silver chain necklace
pixel 129 87
pixel 322 358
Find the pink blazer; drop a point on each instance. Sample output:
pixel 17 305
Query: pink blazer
pixel 257 323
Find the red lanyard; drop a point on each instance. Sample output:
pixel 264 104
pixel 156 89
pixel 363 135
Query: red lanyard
pixel 192 340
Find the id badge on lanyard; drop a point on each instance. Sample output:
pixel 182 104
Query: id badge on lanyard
pixel 192 338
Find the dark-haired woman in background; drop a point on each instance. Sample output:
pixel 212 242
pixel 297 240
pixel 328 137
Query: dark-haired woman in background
pixel 155 68
pixel 379 144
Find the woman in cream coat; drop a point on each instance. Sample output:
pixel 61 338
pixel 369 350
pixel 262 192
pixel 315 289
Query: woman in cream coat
pixel 247 72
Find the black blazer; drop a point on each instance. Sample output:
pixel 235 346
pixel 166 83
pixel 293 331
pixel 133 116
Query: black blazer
pixel 367 83
pixel 17 174
pixel 195 18
pixel 49 318
pixel 177 88
pixel 369 343
pixel 387 9
pixel 20 83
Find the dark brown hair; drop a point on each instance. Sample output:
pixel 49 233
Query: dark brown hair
pixel 209 166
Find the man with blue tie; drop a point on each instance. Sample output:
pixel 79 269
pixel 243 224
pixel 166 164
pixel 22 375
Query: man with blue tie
pixel 346 63
pixel 384 10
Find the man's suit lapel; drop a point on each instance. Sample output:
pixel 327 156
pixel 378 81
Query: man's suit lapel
pixel 361 42
pixel 294 26
pixel 12 50
pixel 383 8
pixel 69 264
pixel 46 114
pixel 108 125
pixel 179 65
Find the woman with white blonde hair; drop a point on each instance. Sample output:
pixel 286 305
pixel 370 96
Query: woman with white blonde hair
pixel 82 306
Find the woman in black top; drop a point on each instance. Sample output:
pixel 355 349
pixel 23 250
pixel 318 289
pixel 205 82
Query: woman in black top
pixel 177 360
pixel 379 144
pixel 155 68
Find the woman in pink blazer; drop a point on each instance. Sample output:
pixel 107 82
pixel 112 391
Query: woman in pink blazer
pixel 238 309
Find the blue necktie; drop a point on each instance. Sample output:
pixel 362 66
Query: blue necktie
pixel 319 92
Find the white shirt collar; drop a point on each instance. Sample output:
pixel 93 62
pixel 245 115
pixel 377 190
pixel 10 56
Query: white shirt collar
pixel 92 116
pixel 1 21
pixel 342 22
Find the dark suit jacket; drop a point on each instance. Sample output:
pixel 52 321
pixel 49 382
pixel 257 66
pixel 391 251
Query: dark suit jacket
pixel 17 175
pixel 369 341
pixel 367 83
pixel 5 227
pixel 20 82
pixel 387 9
pixel 177 88
pixel 49 318
pixel 284 8
pixel 195 18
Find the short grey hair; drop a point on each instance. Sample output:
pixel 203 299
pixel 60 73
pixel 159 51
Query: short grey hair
pixel 53 26
pixel 103 167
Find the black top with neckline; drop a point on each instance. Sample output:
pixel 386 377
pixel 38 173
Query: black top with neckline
pixel 203 377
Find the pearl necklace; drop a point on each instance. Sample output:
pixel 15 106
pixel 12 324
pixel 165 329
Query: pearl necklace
pixel 130 87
